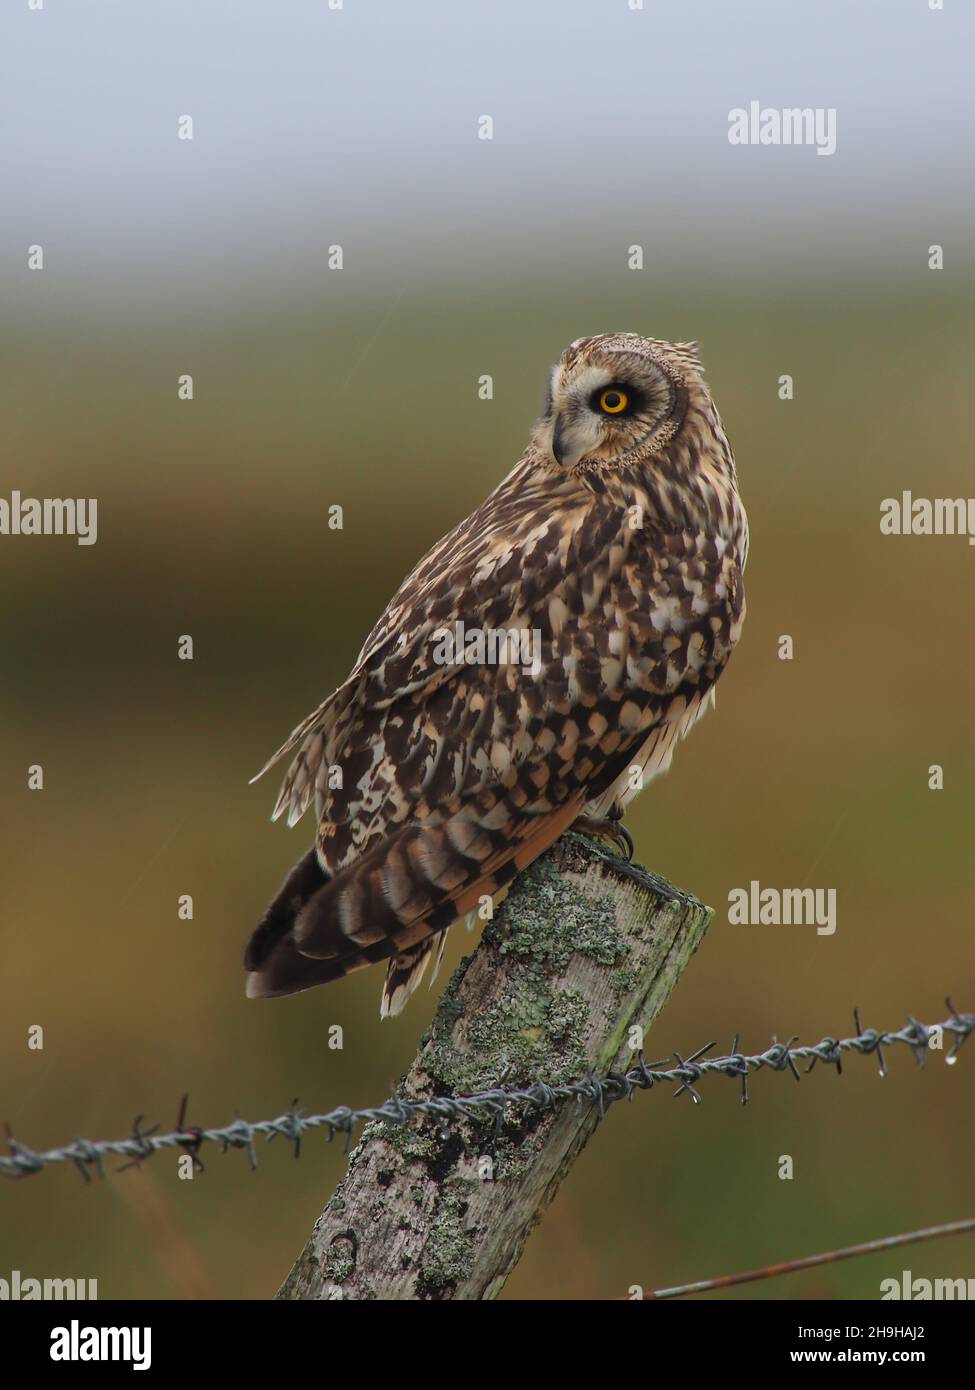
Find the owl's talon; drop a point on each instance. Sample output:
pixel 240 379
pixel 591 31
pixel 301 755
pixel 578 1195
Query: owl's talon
pixel 611 829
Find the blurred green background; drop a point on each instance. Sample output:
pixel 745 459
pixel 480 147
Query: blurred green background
pixel 314 388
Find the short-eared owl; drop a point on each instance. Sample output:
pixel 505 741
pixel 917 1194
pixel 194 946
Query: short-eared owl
pixel 614 550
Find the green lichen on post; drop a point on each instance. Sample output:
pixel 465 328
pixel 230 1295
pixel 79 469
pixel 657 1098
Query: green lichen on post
pixel 339 1262
pixel 547 919
pixel 532 1027
pixel 448 1256
pixel 535 1025
pixel 623 983
pixel 407 1141
pixel 514 1157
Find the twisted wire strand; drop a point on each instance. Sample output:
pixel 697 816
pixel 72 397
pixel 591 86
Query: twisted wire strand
pixel 600 1091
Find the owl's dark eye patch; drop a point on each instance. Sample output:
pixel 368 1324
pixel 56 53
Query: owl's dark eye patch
pixel 616 399
pixel 549 394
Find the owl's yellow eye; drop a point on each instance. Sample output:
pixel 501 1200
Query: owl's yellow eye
pixel 613 401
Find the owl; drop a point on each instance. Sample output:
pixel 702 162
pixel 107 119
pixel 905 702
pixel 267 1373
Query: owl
pixel 535 671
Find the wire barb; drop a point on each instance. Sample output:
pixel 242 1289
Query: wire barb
pixel 492 1105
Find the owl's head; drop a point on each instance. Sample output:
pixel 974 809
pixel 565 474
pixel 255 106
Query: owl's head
pixel 616 399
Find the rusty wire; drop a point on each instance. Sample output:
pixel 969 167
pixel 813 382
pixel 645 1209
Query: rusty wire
pixel 826 1257
pixel 600 1091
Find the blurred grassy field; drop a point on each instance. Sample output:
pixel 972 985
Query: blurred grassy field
pixel 212 521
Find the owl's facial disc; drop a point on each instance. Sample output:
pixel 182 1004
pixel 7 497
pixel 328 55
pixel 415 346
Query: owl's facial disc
pixel 599 410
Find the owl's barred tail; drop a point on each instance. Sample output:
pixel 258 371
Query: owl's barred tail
pixel 396 901
pixel 273 965
pixel 392 902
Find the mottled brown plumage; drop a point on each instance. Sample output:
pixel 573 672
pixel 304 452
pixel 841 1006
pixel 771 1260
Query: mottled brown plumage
pixel 620 540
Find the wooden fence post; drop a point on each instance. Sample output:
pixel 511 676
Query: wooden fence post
pixel 584 950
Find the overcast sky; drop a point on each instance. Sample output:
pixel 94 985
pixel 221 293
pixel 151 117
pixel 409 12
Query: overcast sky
pixel 358 126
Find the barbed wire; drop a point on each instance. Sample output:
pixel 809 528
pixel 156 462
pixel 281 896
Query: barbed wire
pixel 601 1091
